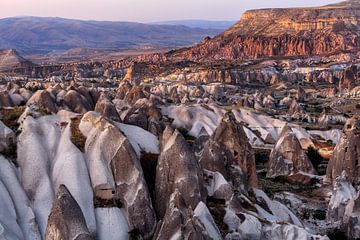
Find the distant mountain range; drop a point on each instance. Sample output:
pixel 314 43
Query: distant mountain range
pixel 204 24
pixel 36 35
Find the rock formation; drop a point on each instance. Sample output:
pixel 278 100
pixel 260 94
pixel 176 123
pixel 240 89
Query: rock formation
pixel 346 154
pixel 284 32
pixel 180 221
pixel 66 220
pixel 288 157
pixel 177 169
pixel 10 59
pixel 229 153
pixel 43 99
pixel 107 109
pixel 114 163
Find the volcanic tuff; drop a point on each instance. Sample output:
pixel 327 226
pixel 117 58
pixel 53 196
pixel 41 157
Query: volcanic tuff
pixel 284 32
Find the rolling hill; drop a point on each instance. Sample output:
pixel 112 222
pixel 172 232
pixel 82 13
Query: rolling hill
pixel 35 35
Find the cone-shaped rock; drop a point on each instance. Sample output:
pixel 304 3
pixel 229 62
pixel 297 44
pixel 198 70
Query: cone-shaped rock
pixel 179 221
pixel 66 220
pixel 228 151
pixel 287 156
pixel 177 169
pixel 106 108
pixel 346 154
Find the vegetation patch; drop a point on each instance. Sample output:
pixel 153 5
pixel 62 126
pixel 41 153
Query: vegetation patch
pixel 10 116
pixel 107 203
pixel 281 184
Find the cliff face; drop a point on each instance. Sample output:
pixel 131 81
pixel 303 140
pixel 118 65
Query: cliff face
pixel 284 32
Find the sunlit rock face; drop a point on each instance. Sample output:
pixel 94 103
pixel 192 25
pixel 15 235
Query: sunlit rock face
pixel 284 32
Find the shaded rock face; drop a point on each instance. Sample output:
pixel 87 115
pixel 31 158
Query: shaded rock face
pixel 5 100
pixel 123 89
pixel 66 220
pixel 53 99
pixel 177 169
pixel 77 102
pixel 229 153
pixel 135 94
pixel 7 137
pixel 145 115
pixel 180 222
pixel 288 157
pixel 284 32
pixel 349 78
pixel 342 200
pixel 44 100
pixel 295 108
pixel 113 161
pixel 351 219
pixel 346 154
pixel 107 109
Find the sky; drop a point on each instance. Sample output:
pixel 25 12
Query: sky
pixel 144 10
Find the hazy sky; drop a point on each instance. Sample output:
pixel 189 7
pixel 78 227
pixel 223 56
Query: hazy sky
pixel 143 10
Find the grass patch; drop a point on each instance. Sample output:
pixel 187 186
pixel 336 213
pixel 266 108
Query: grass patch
pixel 281 184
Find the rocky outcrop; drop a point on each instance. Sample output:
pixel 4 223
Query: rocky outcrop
pixel 177 169
pixel 113 163
pixel 346 154
pixel 145 115
pixel 5 99
pixel 7 137
pixel 106 108
pixel 66 220
pixel 288 157
pixel 344 207
pixel 284 32
pixel 134 94
pixel 76 102
pixel 295 108
pixel 10 59
pixel 180 222
pixel 229 153
pixel 43 99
